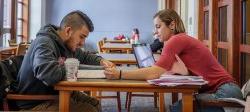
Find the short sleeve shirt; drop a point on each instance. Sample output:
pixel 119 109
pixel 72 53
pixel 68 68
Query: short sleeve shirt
pixel 197 58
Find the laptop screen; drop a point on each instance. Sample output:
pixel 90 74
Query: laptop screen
pixel 143 55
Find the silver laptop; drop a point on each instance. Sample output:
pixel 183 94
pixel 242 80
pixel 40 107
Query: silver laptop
pixel 143 55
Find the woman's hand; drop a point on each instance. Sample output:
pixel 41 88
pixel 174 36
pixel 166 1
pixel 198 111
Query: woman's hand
pixel 112 73
pixel 179 67
pixel 107 64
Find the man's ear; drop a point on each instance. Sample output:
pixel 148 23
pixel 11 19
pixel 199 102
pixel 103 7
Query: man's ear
pixel 68 31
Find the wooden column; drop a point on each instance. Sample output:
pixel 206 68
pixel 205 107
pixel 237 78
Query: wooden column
pixel 25 25
pixel 237 34
pixel 213 26
pixel 13 20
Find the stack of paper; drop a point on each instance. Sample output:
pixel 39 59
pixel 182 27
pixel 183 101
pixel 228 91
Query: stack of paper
pixel 174 80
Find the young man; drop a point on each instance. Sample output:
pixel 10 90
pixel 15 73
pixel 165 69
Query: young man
pixel 43 66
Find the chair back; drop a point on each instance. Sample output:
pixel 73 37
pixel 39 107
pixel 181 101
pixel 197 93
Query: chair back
pixel 99 46
pixel 246 89
pixel 21 49
pixel 12 43
pixel 8 74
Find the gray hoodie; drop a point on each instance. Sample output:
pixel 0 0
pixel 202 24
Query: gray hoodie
pixel 41 68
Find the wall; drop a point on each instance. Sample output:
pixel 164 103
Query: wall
pixel 35 17
pixel 247 22
pixel 110 17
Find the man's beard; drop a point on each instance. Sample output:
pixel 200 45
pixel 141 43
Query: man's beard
pixel 68 44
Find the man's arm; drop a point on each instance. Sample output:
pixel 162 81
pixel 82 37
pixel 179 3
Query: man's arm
pixel 45 64
pixel 87 58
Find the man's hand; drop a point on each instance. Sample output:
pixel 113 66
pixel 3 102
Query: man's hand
pixel 112 73
pixel 107 64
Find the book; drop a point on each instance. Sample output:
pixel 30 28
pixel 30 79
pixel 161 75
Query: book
pixel 90 67
pixel 91 74
pixel 175 80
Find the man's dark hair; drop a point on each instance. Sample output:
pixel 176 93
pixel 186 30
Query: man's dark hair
pixel 77 19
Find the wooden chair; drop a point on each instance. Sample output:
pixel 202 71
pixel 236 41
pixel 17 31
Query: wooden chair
pixel 100 96
pixel 225 103
pixel 12 43
pixel 21 49
pixel 99 46
pixel 155 95
pixel 8 104
pixel 7 54
pixel 130 94
pixel 216 103
pixel 10 84
pixel 247 106
pixel 117 96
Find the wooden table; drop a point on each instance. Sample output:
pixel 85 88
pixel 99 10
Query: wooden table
pixel 65 88
pixel 116 41
pixel 5 49
pixel 107 47
pixel 118 58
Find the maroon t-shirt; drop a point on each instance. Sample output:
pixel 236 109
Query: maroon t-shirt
pixel 197 58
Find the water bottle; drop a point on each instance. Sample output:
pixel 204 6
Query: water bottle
pixel 136 39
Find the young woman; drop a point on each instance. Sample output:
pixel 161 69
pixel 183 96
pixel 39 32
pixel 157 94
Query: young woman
pixel 196 57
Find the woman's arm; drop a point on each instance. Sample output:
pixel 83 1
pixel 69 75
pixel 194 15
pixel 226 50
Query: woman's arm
pixel 153 72
pixel 138 74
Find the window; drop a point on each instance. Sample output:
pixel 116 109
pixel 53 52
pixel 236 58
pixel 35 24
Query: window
pixel 6 35
pixel 223 24
pixel 14 21
pixel 223 57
